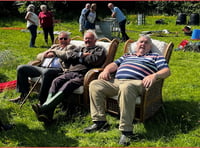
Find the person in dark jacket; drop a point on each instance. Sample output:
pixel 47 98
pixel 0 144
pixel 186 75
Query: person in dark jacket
pixel 80 60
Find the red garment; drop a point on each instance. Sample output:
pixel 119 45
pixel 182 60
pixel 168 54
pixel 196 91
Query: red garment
pixel 183 44
pixel 46 19
pixel 8 85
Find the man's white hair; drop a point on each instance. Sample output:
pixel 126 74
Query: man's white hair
pixel 43 6
pixel 147 37
pixel 93 32
pixel 65 33
pixel 30 7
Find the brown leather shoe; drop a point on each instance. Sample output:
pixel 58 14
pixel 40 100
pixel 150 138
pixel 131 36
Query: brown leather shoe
pixel 17 100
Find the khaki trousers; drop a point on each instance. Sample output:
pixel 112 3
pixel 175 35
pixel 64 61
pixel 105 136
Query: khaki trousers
pixel 127 90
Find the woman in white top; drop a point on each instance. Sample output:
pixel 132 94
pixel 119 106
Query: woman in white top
pixel 32 23
pixel 91 17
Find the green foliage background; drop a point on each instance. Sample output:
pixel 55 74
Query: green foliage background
pixel 70 10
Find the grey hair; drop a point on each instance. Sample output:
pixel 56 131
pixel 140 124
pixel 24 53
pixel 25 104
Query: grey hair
pixel 30 7
pixel 87 5
pixel 65 33
pixel 147 37
pixel 93 32
pixel 93 5
pixel 43 6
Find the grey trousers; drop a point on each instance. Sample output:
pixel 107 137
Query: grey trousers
pixel 127 91
pixel 47 76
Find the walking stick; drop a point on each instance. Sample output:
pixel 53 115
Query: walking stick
pixel 34 86
pixel 30 92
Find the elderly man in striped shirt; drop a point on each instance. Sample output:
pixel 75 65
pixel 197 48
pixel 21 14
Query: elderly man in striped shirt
pixel 134 72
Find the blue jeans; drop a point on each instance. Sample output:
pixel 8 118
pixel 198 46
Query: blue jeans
pixel 89 25
pixel 33 31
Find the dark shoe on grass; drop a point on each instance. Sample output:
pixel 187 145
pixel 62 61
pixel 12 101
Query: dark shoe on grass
pixel 36 108
pixel 17 100
pixel 44 118
pixel 126 138
pixel 97 126
pixel 6 127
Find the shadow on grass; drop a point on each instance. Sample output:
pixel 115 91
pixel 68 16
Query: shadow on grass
pixel 22 135
pixel 47 47
pixel 3 78
pixel 179 117
pixel 70 113
pixel 49 137
pixel 176 118
pixel 5 115
pixel 53 135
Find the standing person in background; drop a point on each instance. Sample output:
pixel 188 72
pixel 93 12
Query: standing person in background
pixel 91 17
pixel 82 18
pixel 46 23
pixel 121 19
pixel 32 23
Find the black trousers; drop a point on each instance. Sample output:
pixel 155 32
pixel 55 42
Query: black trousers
pixel 47 76
pixel 48 30
pixel 122 26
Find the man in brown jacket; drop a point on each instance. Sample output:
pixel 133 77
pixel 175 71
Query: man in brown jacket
pixel 80 60
pixel 48 67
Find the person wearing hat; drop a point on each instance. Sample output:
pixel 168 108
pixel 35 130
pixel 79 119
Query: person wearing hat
pixel 187 30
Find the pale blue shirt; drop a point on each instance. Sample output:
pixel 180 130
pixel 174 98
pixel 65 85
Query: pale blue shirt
pixel 119 14
pixel 54 64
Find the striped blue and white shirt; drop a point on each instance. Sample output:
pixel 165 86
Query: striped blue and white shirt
pixel 136 67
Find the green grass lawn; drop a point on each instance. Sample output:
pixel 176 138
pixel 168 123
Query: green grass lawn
pixel 180 127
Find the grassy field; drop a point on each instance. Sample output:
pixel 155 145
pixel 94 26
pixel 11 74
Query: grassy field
pixel 180 127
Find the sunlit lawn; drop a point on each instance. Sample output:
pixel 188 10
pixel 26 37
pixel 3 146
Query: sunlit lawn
pixel 180 127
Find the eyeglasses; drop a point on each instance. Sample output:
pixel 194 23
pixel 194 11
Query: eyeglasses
pixel 63 38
